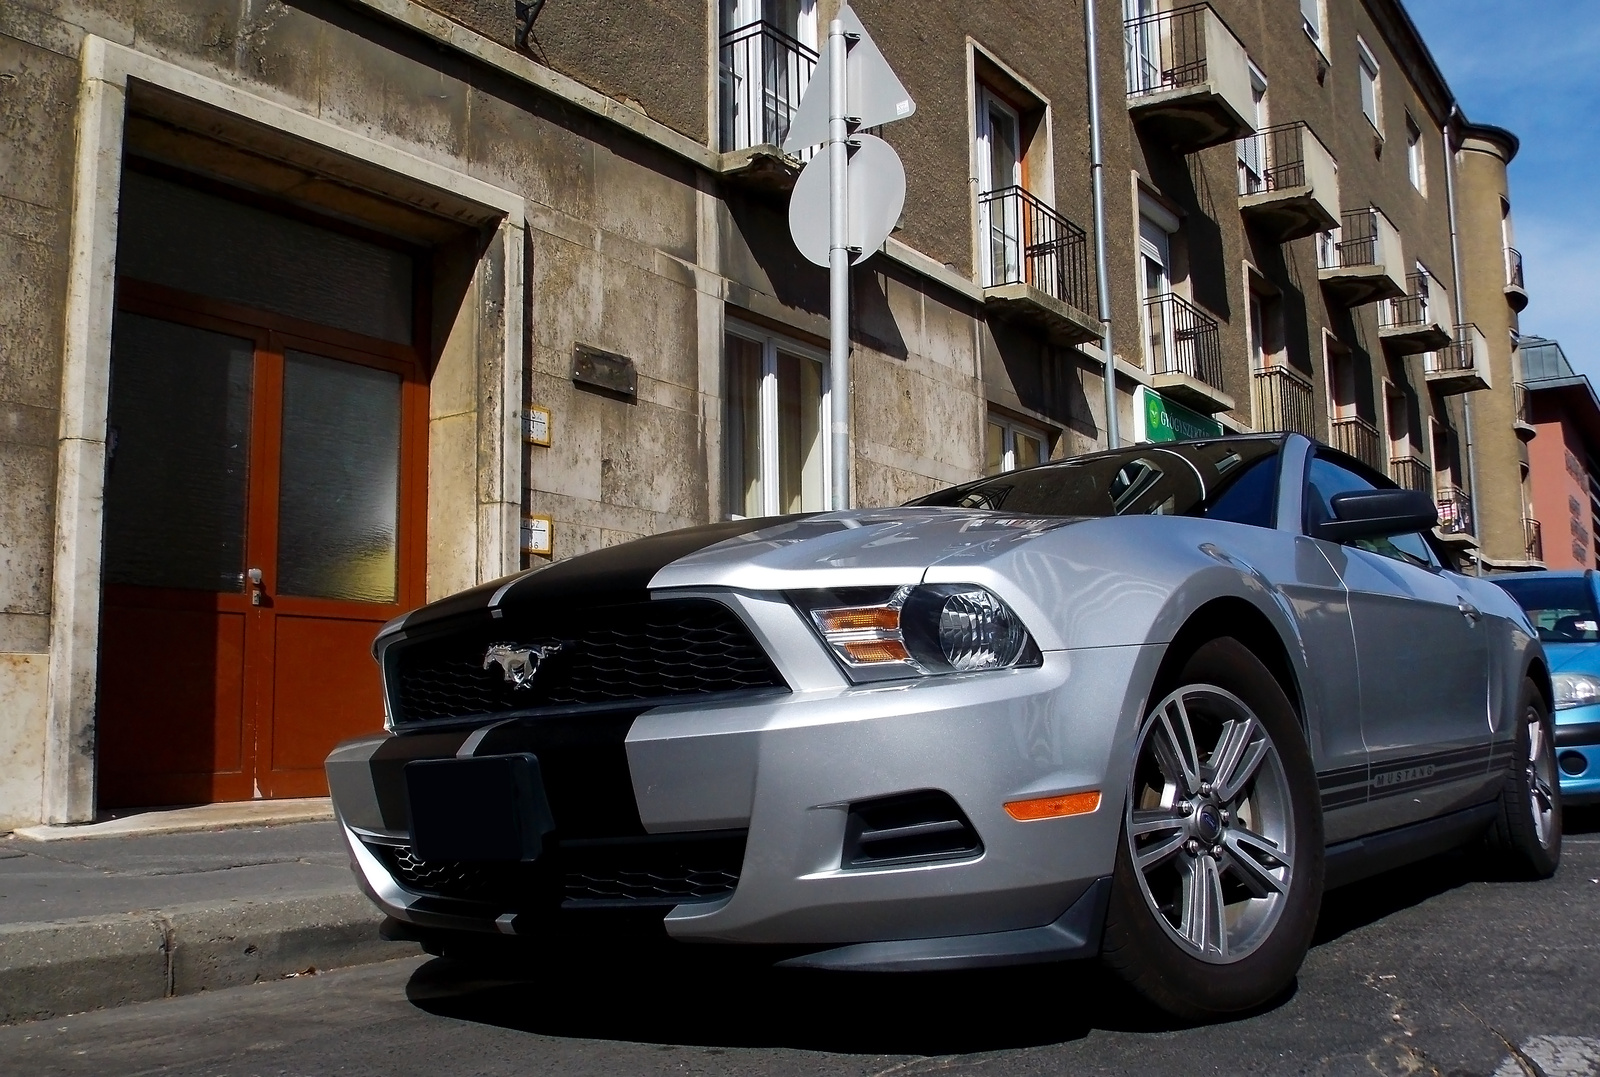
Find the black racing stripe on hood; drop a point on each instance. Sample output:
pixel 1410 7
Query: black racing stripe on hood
pixel 623 573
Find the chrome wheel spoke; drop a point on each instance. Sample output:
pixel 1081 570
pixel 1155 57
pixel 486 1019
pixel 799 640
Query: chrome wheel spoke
pixel 1173 743
pixel 1153 821
pixel 1157 853
pixel 1246 851
pixel 1203 924
pixel 1239 753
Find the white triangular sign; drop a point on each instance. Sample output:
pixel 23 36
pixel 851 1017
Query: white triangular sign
pixel 873 92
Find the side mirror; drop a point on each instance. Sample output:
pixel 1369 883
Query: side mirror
pixel 1361 514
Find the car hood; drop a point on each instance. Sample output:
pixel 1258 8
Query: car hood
pixel 859 547
pixel 1573 657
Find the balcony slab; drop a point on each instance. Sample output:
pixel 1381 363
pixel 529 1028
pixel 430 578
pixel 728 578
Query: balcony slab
pixel 1356 286
pixel 1061 322
pixel 1413 339
pixel 1517 296
pixel 761 168
pixel 1289 213
pixel 1191 392
pixel 1450 382
pixel 1189 118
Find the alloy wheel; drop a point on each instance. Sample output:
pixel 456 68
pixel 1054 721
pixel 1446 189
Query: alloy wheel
pixel 1210 823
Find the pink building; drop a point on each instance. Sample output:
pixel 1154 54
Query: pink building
pixel 1564 457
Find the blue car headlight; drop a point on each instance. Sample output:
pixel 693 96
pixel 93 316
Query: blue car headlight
pixel 918 631
pixel 1575 690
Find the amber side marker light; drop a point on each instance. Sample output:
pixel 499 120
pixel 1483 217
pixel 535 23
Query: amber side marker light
pixel 1054 807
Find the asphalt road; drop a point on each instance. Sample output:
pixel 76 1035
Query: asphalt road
pixel 1431 970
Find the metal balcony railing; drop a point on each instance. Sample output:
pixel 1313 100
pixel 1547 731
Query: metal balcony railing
pixel 1360 439
pixel 1182 339
pixel 1411 473
pixel 1027 242
pixel 1532 539
pixel 1461 354
pixel 1273 159
pixel 1358 240
pixel 1519 402
pixel 1282 400
pixel 1167 50
pixel 1411 309
pixel 1514 268
pixel 763 72
pixel 1455 510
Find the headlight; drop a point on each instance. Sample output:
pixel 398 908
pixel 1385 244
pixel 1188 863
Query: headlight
pixel 912 631
pixel 1575 690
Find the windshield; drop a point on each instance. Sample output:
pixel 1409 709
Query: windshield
pixel 1560 607
pixel 1230 479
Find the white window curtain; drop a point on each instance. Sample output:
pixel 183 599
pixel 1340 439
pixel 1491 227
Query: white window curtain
pixel 776 434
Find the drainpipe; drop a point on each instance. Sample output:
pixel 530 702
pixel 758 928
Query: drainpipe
pixel 1097 174
pixel 1461 319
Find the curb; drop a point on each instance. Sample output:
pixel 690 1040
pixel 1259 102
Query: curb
pixel 67 966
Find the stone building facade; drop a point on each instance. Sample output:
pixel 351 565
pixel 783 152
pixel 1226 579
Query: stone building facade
pixel 316 309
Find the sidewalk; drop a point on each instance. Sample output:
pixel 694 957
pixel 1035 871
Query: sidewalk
pixel 101 921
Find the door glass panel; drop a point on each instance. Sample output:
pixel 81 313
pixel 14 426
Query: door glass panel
pixel 1029 450
pixel 197 242
pixel 339 486
pixel 994 460
pixel 177 456
pixel 744 427
pixel 799 434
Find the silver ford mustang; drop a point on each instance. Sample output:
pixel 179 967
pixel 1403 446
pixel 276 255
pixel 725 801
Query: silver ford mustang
pixel 1144 705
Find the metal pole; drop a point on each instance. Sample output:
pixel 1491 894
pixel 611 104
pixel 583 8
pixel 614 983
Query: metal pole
pixel 1461 317
pixel 838 266
pixel 1097 174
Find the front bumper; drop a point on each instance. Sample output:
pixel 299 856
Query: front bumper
pixel 783 772
pixel 1578 754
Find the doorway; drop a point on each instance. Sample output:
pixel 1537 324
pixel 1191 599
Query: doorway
pixel 265 484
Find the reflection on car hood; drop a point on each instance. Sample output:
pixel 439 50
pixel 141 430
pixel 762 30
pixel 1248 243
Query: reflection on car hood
pixel 1573 657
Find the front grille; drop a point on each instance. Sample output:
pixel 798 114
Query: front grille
pixel 615 654
pixel 656 871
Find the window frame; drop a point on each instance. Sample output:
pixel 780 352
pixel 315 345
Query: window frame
pixel 1010 428
pixel 1316 31
pixel 771 342
pixel 1370 71
pixel 1416 155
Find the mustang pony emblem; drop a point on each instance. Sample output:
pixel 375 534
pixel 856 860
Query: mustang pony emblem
pixel 519 664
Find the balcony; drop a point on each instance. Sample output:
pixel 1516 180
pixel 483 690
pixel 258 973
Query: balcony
pixel 1188 78
pixel 1516 287
pixel 1417 321
pixel 1532 540
pixel 763 72
pixel 1462 366
pixel 1359 439
pixel 1184 351
pixel 1455 512
pixel 1520 422
pixel 1036 266
pixel 1288 182
pixel 1363 263
pixel 1410 473
pixel 1282 401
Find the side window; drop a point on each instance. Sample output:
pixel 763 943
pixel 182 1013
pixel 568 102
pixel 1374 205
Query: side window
pixel 1327 479
pixel 1251 497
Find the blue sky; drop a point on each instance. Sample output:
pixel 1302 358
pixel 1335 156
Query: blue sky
pixel 1534 66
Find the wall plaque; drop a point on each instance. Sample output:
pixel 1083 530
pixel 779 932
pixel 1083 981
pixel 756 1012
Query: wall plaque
pixel 607 371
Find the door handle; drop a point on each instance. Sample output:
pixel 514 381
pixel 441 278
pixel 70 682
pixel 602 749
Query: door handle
pixel 255 586
pixel 1469 611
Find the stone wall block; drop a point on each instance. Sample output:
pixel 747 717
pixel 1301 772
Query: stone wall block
pixel 24 694
pixel 651 202
pixel 36 87
pixel 33 267
pixel 27 475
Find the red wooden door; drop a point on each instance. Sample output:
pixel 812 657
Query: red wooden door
pixel 263 518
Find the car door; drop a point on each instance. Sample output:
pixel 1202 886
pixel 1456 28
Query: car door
pixel 1421 663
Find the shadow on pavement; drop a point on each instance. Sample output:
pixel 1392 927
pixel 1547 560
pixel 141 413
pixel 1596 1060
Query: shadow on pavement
pixel 678 996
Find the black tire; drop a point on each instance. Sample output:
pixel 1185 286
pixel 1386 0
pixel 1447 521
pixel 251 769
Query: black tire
pixel 1526 846
pixel 1142 944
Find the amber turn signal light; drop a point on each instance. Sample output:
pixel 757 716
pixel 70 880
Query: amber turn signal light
pixel 1054 807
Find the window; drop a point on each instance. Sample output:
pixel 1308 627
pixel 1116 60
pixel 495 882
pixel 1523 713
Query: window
pixel 1311 19
pixel 1327 479
pixel 1328 249
pixel 1252 149
pixel 775 438
pixel 1369 84
pixel 1000 167
pixel 1562 608
pixel 1009 446
pixel 1266 330
pixel 1156 226
pixel 1341 381
pixel 1416 163
pixel 767 54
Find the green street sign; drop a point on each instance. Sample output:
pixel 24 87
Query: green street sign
pixel 1160 419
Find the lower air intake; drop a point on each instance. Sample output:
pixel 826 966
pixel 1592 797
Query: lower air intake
pixel 907 828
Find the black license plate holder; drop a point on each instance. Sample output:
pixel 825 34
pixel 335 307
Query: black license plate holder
pixel 488 808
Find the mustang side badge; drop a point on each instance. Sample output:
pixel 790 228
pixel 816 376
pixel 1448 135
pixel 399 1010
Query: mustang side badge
pixel 519 664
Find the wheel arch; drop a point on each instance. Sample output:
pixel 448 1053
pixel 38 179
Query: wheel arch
pixel 1244 621
pixel 1539 673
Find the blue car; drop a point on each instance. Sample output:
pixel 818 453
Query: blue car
pixel 1564 609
